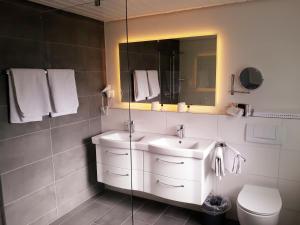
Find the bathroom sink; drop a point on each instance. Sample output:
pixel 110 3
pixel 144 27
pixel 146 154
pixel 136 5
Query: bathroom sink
pixel 122 136
pixel 117 139
pixel 185 147
pixel 176 143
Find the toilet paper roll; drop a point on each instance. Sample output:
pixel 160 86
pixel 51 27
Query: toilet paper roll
pixel 181 107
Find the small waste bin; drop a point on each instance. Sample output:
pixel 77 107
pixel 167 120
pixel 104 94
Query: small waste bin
pixel 214 209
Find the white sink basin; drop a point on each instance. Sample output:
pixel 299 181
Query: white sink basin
pixel 186 147
pixel 117 139
pixel 122 136
pixel 176 143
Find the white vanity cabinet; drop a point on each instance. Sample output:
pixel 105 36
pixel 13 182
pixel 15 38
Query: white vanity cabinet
pixel 113 167
pixel 180 179
pixel 174 173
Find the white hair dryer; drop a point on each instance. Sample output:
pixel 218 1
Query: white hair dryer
pixel 106 95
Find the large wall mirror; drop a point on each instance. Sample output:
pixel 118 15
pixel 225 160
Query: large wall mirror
pixel 170 71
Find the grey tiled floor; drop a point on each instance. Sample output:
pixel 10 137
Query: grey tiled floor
pixel 113 208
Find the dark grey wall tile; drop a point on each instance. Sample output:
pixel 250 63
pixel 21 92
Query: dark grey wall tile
pixel 95 126
pixel 69 186
pixel 24 22
pixel 82 84
pixel 46 219
pixel 82 114
pixel 69 136
pixel 81 199
pixel 62 27
pixel 95 106
pixel 89 82
pixel 94 59
pixel 23 150
pixel 69 161
pixel 9 130
pixel 21 53
pixel 53 39
pixel 97 81
pixel 32 177
pixel 28 209
pixel 62 56
pixel 88 27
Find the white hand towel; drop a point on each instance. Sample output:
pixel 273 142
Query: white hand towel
pixel 29 95
pixel 232 160
pixel 154 88
pixel 218 162
pixel 14 111
pixel 141 88
pixel 63 91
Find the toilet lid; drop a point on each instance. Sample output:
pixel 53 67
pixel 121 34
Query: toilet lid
pixel 260 200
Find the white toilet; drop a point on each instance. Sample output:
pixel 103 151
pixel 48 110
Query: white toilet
pixel 258 205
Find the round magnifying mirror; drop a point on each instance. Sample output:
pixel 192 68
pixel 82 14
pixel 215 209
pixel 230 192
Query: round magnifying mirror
pixel 251 78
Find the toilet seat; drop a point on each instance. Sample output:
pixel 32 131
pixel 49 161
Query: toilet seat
pixel 260 201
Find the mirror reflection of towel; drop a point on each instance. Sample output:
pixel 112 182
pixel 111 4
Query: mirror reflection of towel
pixel 154 89
pixel 141 88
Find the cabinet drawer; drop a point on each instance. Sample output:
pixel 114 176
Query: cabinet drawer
pixel 173 189
pixel 175 167
pixel 119 157
pixel 119 177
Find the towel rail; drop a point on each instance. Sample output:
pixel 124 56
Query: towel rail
pixel 8 72
pixel 223 144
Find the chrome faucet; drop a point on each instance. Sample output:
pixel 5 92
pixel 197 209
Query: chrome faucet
pixel 129 126
pixel 180 131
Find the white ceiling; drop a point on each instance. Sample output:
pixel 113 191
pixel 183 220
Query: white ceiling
pixel 115 9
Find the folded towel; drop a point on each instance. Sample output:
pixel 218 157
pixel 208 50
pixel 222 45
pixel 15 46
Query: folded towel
pixel 154 89
pixel 14 111
pixel 141 88
pixel 28 95
pixel 63 91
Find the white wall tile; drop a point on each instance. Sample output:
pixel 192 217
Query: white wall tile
pixel 262 161
pixel 231 185
pixel 149 121
pixel 289 165
pixel 291 137
pixel 232 129
pixel 196 125
pixel 114 120
pixel 290 194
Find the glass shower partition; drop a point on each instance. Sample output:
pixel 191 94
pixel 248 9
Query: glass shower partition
pixel 45 35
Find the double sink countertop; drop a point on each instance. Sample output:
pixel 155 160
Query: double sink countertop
pixel 157 143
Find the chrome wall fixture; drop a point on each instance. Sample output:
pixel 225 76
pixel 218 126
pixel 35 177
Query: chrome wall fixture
pixel 232 91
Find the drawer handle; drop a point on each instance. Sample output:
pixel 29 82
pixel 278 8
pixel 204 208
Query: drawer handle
pixel 118 174
pixel 114 153
pixel 170 185
pixel 158 159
